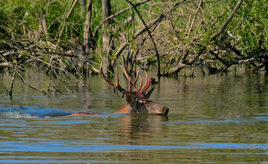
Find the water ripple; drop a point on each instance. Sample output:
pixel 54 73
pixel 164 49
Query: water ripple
pixel 86 147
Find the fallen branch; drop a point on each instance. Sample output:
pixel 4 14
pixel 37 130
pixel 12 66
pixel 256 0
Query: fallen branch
pixel 19 54
pixel 230 63
pixel 5 64
pixel 8 53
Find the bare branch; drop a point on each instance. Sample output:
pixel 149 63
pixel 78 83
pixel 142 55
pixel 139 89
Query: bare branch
pixel 157 55
pixel 112 16
pixel 155 22
pixel 213 37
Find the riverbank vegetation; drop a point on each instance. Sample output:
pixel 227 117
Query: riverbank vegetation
pixel 66 37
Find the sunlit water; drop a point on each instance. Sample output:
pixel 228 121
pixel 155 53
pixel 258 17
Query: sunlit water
pixel 215 119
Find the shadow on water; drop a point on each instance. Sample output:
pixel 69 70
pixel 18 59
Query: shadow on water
pixel 215 119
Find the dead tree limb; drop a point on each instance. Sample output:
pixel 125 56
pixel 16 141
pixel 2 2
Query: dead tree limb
pixel 147 29
pixel 181 65
pixel 236 61
pixel 4 87
pixel 155 22
pixel 44 24
pixel 24 82
pixel 87 28
pixel 112 16
pixel 12 84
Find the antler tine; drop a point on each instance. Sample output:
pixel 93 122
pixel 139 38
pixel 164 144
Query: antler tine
pixel 133 82
pixel 99 71
pixel 137 77
pixel 146 85
pixel 137 91
pixel 129 78
pixel 125 72
pixel 116 85
pixel 148 82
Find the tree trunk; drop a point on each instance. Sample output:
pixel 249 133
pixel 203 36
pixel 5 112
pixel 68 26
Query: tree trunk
pixel 87 28
pixel 106 12
pixel 82 10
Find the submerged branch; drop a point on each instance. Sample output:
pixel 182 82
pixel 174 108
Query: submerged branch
pixel 28 85
pixel 23 53
pixel 12 84
pixel 236 61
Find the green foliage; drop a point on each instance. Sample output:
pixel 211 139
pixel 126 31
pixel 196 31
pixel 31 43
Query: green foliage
pixel 254 25
pixel 246 28
pixel 186 28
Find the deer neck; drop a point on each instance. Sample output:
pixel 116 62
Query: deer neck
pixel 123 109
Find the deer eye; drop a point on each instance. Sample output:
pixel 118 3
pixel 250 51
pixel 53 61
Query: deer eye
pixel 141 102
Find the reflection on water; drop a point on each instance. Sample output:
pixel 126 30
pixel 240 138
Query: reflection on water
pixel 212 119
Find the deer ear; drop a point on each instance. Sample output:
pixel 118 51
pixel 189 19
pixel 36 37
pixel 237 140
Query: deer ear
pixel 148 93
pixel 129 97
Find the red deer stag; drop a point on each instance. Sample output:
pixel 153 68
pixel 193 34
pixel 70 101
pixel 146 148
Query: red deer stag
pixel 137 99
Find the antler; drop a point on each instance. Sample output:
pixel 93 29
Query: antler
pixel 145 86
pixel 116 85
pixel 99 71
pixel 140 91
pixel 132 82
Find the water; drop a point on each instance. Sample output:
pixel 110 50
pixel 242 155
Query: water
pixel 216 119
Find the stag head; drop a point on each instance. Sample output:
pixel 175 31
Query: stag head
pixel 137 98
